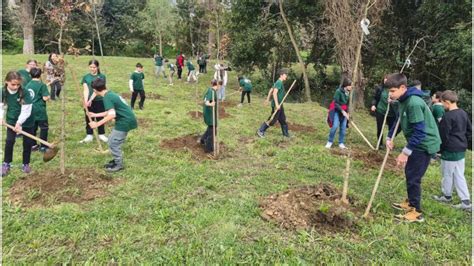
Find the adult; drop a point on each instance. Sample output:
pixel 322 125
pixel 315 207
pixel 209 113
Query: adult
pixel 221 75
pixel 54 69
pixel 180 64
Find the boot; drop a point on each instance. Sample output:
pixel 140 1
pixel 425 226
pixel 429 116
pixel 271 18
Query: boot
pixel 262 129
pixel 284 130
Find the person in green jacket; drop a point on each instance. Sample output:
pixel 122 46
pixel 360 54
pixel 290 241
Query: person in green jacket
pixel 25 73
pixel 210 106
pixel 136 85
pixel 191 71
pixel 437 107
pixel 338 116
pixel 40 94
pixel 246 88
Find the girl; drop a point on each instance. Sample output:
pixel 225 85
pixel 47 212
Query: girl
pixel 338 113
pixel 19 107
pixel 93 102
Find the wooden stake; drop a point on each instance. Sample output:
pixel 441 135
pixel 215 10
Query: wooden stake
pixel 383 126
pixel 361 134
pixel 346 179
pixel 214 124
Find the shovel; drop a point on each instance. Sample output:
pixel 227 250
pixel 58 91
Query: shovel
pixel 283 100
pixel 49 154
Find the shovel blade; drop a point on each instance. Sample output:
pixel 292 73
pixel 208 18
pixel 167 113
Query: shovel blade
pixel 50 154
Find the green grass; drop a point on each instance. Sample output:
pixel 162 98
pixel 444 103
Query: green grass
pixel 171 209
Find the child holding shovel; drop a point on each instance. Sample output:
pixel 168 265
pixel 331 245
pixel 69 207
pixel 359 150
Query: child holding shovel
pixel 420 130
pixel 210 116
pixel 115 108
pixel 136 85
pixel 277 93
pixel 40 94
pixel 92 101
pixel 338 114
pixel 245 88
pixel 19 113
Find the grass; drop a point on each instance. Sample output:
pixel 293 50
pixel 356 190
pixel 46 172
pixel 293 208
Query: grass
pixel 171 209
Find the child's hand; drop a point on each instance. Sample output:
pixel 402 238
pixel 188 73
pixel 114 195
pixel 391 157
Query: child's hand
pixel 93 124
pixel 373 108
pixel 345 114
pixel 389 144
pixel 402 159
pixel 18 128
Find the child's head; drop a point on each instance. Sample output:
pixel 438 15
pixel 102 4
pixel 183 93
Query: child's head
pixel 13 81
pixel 417 84
pixel 220 83
pixel 347 83
pixel 436 98
pixel 240 77
pixel 99 85
pixel 283 73
pixel 94 67
pixel 449 99
pixel 397 85
pixel 139 67
pixel 214 83
pixel 31 63
pixel 35 73
pixel 53 58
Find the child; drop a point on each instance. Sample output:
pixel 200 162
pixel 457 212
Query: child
pixel 39 91
pixel 221 75
pixel 25 73
pixel 456 135
pixel 210 103
pixel 380 103
pixel 426 93
pixel 421 133
pixel 438 107
pixel 19 106
pixel 180 64
pixel 159 68
pixel 172 69
pixel 115 108
pixel 191 71
pixel 245 88
pixel 136 85
pixel 92 101
pixel 338 115
pixel 277 93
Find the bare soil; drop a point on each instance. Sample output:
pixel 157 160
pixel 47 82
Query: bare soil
pixel 222 114
pixel 144 122
pixel 148 95
pixel 190 143
pixel 298 128
pixel 371 158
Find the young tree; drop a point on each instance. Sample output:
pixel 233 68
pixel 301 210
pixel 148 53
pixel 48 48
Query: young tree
pixel 159 20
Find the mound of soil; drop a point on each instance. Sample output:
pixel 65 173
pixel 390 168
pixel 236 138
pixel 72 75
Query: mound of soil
pixel 298 127
pixel 148 95
pixel 50 188
pixel 371 158
pixel 222 114
pixel 189 143
pixel 307 207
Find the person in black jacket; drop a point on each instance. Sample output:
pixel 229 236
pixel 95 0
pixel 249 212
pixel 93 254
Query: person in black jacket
pixel 456 136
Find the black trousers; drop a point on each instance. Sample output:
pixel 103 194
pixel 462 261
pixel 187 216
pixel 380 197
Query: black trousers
pixel 201 68
pixel 134 98
pixel 204 68
pixel 279 116
pixel 96 107
pixel 55 89
pixel 10 143
pixel 207 139
pixel 180 71
pixel 44 127
pixel 242 96
pixel 415 168
pixel 391 121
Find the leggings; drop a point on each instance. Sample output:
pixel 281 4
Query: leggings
pixel 242 96
pixel 10 143
pixel 96 107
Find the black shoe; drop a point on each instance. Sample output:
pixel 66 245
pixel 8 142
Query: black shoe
pixel 141 107
pixel 114 168
pixel 110 164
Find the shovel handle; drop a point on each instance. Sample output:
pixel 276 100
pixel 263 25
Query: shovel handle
pixel 283 100
pixel 30 136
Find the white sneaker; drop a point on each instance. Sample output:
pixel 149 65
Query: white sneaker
pixel 342 146
pixel 328 145
pixel 239 105
pixel 103 138
pixel 87 139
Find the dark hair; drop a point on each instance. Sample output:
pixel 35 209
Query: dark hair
pixel 346 82
pixel 240 77
pixel 283 71
pixel 35 73
pixel 51 60
pixel 139 65
pixel 220 82
pixel 12 75
pixel 213 82
pixel 416 83
pixel 437 94
pixel 31 60
pixel 395 80
pixel 96 63
pixel 450 96
pixel 99 84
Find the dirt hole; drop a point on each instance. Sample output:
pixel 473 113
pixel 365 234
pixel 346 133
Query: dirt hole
pixel 371 158
pixel 190 143
pixel 308 207
pixel 48 188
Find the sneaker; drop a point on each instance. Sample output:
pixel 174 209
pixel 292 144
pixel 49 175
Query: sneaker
pixel 103 138
pixel 87 139
pixel 328 145
pixel 239 105
pixel 463 206
pixel 114 168
pixel 26 169
pixel 412 216
pixel 260 134
pixel 141 107
pixel 43 149
pixel 342 146
pixel 442 198
pixel 110 164
pixel 5 169
pixel 35 147
pixel 404 206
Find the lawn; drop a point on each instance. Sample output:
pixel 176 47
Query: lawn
pixel 169 207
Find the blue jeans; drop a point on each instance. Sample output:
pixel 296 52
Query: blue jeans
pixel 221 93
pixel 337 124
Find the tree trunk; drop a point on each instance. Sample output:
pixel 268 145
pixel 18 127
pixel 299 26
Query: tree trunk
pixel 307 90
pixel 26 20
pixel 160 41
pixel 62 164
pixel 211 37
pixel 61 29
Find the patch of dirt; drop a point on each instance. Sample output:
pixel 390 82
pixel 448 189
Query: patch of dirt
pixel 51 187
pixel 298 128
pixel 193 114
pixel 222 114
pixel 144 122
pixel 246 140
pixel 371 158
pixel 308 207
pixel 190 143
pixel 228 104
pixel 148 95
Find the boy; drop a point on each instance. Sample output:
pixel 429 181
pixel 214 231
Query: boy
pixel 115 108
pixel 159 68
pixel 210 106
pixel 421 133
pixel 40 93
pixel 426 93
pixel 25 73
pixel 277 92
pixel 456 136
pixel 191 71
pixel 438 107
pixel 246 88
pixel 136 85
pixel 172 69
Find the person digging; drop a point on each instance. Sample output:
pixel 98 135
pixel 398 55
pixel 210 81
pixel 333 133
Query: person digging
pixel 210 119
pixel 125 120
